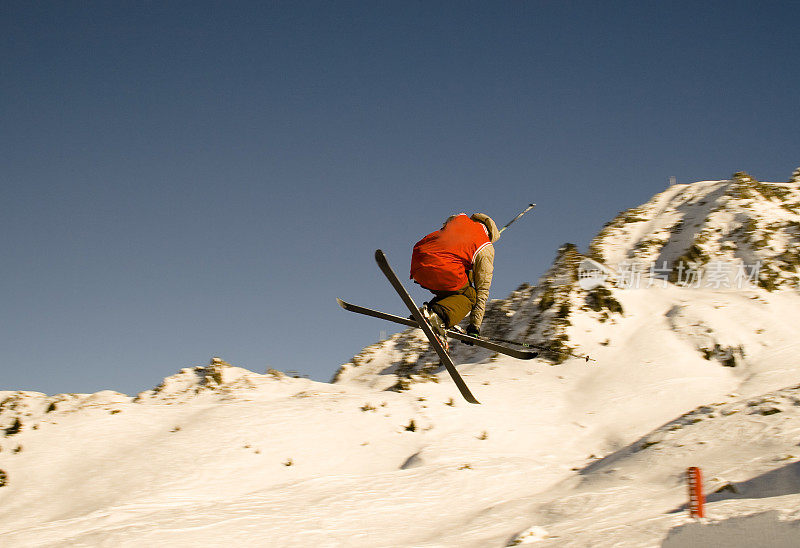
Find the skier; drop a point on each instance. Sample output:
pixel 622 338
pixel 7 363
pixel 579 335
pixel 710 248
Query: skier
pixel 456 264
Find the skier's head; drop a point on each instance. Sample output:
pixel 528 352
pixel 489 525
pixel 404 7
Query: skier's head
pixel 487 221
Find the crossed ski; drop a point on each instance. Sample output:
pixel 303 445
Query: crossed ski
pixel 452 333
pixel 445 358
pixel 417 320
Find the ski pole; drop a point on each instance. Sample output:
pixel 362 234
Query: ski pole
pixel 540 347
pixel 524 211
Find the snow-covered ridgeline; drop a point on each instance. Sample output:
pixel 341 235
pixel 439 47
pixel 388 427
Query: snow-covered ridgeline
pixel 736 221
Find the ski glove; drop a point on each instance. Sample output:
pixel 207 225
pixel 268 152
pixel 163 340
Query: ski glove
pixel 472 331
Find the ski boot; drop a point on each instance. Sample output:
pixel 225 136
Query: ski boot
pixel 437 324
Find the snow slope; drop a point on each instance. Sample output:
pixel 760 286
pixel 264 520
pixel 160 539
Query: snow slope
pixel 560 453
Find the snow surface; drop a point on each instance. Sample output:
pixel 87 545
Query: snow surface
pixel 579 454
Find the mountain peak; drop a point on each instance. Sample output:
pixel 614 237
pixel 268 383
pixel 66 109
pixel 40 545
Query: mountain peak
pixel 741 222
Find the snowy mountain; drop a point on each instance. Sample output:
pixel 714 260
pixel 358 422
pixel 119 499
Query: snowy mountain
pixel 687 303
pixel 731 238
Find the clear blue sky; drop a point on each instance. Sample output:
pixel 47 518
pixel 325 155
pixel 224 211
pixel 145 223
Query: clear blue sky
pixel 187 179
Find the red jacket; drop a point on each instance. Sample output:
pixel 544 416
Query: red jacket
pixel 440 261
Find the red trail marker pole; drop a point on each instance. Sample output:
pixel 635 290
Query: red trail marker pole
pixel 696 498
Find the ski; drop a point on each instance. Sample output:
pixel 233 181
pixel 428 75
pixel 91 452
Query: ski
pixel 383 263
pixel 452 333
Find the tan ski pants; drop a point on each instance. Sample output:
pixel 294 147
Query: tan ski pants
pixel 453 306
